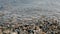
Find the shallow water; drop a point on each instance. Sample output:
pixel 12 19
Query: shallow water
pixel 28 8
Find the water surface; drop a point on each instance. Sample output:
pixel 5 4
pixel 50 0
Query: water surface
pixel 28 8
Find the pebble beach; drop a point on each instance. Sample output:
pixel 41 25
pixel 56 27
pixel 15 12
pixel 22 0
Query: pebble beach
pixel 43 25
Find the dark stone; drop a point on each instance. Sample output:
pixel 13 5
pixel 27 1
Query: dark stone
pixel 52 32
pixel 40 27
pixel 30 31
pixel 58 27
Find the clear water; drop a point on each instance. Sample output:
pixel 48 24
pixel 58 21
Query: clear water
pixel 28 8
